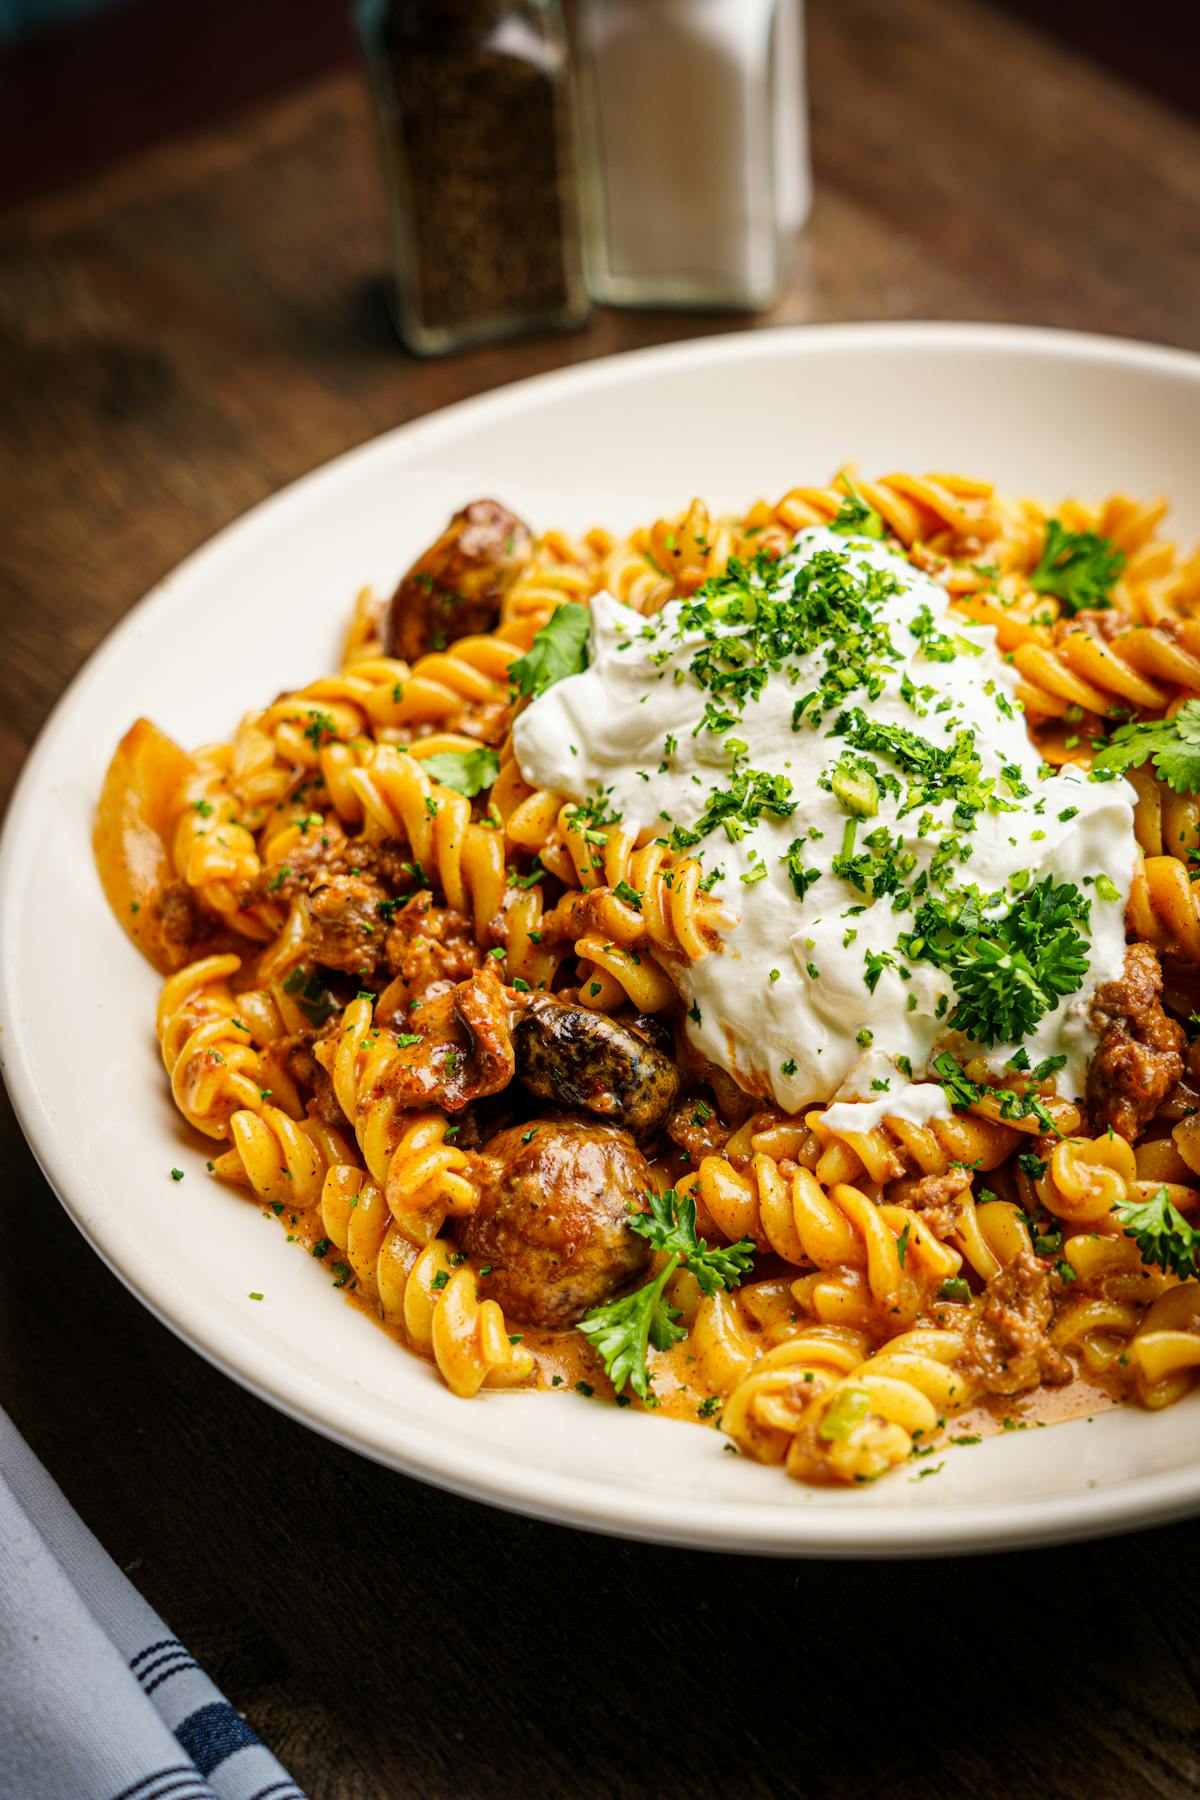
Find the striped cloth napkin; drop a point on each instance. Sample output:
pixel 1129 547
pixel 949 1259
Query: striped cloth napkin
pixel 97 1700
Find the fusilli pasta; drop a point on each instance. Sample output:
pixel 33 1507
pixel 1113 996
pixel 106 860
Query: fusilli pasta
pixel 360 902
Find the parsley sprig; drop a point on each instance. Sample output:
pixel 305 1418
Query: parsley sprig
pixel 1077 567
pixel 623 1330
pixel 558 650
pixel 1162 1234
pixel 1172 745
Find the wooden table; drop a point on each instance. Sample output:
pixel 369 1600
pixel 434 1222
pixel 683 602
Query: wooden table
pixel 178 340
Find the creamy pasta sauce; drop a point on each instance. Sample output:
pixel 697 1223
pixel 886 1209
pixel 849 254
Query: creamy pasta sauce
pixel 812 995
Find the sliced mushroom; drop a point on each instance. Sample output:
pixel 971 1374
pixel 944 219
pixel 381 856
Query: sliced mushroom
pixel 585 1061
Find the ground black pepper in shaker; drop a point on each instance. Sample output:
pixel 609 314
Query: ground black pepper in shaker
pixel 475 107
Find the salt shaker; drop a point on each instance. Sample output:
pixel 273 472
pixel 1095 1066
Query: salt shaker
pixel 694 148
pixel 474 100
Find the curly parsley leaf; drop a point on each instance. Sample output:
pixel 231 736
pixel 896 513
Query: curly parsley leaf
pixel 558 650
pixel 622 1331
pixel 466 771
pixel 1007 972
pixel 1172 745
pixel 1162 1234
pixel 1077 567
pixel 670 1225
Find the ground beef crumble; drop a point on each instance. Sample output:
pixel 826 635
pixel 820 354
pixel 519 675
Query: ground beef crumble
pixel 936 1199
pixel 1139 1058
pixel 367 918
pixel 1008 1348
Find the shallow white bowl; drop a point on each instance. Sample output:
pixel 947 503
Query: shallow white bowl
pixel 262 607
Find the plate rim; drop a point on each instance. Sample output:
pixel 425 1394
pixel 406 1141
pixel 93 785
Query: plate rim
pixel 468 1471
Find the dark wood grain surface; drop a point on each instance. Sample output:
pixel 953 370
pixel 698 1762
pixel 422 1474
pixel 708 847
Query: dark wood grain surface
pixel 178 339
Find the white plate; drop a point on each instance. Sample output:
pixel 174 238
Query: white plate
pixel 263 606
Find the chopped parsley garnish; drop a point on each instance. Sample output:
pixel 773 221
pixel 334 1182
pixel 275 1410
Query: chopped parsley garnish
pixel 854 786
pixel 963 1094
pixel 955 1288
pixel 750 794
pixel 801 878
pixel 321 728
pixel 1078 567
pixel 844 1414
pixel 623 1330
pixel 855 518
pixel 758 615
pixel 934 774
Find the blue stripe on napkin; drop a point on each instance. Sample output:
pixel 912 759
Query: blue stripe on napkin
pixel 97 1700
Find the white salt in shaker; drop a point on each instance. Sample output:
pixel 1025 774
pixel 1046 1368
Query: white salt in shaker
pixel 695 170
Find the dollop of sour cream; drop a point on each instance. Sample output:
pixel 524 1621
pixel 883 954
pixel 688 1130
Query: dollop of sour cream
pixel 808 995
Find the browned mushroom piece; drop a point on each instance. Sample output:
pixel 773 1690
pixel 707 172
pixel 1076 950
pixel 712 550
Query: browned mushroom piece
pixel 584 1061
pixel 456 587
pixel 552 1230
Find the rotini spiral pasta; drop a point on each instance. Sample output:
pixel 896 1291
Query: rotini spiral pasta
pixel 889 1150
pixel 365 902
pixel 215 1067
pixel 561 570
pixel 422 1175
pixel 214 851
pixel 1166 823
pixel 611 975
pixel 1164 907
pixel 466 857
pixel 1087 1177
pixel 283 1159
pixel 836 1229
pixel 429 1292
pixel 662 902
pixel 846 1423
pixel 1141 668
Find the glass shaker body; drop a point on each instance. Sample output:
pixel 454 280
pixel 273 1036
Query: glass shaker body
pixel 474 99
pixel 694 149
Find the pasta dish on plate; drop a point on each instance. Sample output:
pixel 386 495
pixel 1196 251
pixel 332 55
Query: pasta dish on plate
pixel 747 970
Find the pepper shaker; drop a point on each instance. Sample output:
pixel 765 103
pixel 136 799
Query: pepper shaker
pixel 694 148
pixel 474 99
